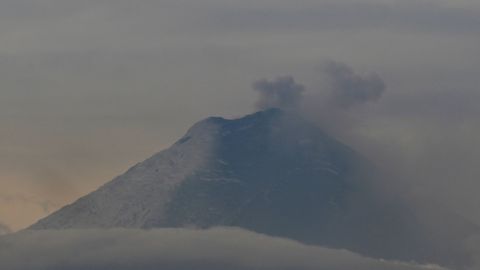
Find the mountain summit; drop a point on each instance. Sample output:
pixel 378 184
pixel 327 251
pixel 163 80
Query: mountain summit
pixel 271 172
pixel 264 168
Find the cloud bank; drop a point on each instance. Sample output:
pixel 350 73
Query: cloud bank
pixel 218 248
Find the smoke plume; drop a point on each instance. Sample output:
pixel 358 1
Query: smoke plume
pixel 349 88
pixel 341 89
pixel 282 92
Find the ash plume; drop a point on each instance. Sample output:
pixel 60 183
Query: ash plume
pixel 342 88
pixel 349 88
pixel 283 92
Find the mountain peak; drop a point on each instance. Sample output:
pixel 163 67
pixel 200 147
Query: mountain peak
pixel 269 172
pixel 265 115
pixel 248 152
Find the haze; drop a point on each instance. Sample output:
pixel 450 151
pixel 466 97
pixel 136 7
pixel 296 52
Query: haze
pixel 90 88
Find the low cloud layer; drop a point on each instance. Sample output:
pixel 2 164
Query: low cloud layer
pixel 218 248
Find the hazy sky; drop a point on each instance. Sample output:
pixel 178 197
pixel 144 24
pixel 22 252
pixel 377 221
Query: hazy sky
pixel 89 88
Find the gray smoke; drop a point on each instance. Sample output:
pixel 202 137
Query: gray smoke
pixel 342 88
pixel 332 102
pixel 282 92
pixel 349 88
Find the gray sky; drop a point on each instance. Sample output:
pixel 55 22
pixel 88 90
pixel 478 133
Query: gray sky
pixel 89 88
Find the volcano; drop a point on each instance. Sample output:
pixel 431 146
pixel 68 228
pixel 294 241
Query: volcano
pixel 270 172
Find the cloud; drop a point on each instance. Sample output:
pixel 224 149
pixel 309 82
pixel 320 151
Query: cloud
pixel 350 88
pixel 218 248
pixel 282 92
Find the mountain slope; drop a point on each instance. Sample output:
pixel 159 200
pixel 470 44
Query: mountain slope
pixel 139 196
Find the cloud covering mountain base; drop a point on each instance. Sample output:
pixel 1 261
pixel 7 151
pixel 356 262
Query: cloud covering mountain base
pixel 218 248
